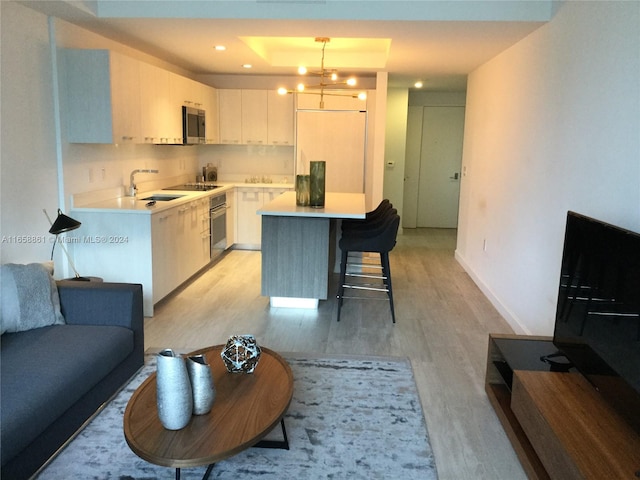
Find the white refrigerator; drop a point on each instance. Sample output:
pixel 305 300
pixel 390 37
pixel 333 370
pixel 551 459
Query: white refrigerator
pixel 338 138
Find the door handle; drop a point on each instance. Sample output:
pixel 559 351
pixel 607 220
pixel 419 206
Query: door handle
pixel 455 176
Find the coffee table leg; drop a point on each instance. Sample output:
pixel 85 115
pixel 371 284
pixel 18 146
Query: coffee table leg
pixel 204 477
pixel 208 472
pixel 284 444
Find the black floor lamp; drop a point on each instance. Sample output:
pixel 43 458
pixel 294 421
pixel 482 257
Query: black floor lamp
pixel 62 224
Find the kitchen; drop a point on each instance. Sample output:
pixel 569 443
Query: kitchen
pixel 246 146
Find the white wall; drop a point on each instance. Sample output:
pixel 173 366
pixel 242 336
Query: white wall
pixel 28 156
pixel 395 146
pixel 553 124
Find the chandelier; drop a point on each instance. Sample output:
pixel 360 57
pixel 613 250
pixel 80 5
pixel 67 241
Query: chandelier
pixel 328 81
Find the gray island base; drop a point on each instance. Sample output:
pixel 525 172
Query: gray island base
pixel 298 247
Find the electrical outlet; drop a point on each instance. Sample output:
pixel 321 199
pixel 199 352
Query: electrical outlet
pixel 103 174
pixel 484 245
pixel 90 175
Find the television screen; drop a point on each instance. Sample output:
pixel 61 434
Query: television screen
pixel 598 312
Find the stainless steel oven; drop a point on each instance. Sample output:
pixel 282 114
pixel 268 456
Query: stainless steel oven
pixel 218 224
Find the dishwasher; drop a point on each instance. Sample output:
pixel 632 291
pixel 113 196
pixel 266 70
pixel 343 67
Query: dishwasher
pixel 218 224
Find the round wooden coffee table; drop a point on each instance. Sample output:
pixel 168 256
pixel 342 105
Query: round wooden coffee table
pixel 246 408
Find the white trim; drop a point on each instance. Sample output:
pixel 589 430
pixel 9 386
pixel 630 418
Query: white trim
pixel 508 315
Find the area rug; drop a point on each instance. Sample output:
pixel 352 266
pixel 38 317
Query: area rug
pixel 350 417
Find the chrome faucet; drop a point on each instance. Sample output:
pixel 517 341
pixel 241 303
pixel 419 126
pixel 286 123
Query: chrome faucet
pixel 132 186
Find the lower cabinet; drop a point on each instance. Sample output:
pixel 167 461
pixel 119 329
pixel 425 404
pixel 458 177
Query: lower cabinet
pixel 180 245
pixel 164 241
pixel 248 227
pixel 248 222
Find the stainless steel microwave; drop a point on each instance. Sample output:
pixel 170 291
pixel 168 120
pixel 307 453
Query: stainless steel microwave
pixel 193 126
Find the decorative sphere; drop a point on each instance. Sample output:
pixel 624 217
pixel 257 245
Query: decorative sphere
pixel 241 354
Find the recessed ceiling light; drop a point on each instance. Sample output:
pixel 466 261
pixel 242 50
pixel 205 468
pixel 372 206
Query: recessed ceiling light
pixel 247 65
pixel 418 84
pixel 220 48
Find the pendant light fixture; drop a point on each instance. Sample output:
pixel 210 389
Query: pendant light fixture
pixel 328 81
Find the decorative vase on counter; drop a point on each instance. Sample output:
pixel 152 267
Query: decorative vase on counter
pixel 204 391
pixel 302 190
pixel 241 354
pixel 174 396
pixel 316 184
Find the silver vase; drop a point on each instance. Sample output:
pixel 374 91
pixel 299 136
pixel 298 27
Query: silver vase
pixel 174 399
pixel 204 391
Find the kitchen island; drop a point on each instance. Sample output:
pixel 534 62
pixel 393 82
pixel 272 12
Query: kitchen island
pixel 298 246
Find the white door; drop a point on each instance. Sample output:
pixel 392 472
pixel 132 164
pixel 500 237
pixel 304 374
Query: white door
pixel 338 138
pixel 437 190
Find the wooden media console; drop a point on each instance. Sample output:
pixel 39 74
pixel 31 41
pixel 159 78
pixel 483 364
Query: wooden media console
pixel 558 424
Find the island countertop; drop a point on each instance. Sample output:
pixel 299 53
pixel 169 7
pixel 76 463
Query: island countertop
pixel 337 205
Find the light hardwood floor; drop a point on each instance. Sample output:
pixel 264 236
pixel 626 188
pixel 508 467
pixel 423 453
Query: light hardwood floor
pixel 443 321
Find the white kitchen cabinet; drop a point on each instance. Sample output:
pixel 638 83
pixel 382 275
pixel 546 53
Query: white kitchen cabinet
pixel 187 92
pixel 280 116
pixel 161 117
pixel 101 96
pixel 248 235
pixel 165 237
pixel 230 118
pixel 254 117
pixel 212 126
pixel 248 222
pixel 180 245
pixel 112 98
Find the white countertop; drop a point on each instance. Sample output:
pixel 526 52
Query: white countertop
pixel 337 205
pixel 137 205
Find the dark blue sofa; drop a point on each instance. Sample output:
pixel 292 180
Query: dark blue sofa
pixel 54 378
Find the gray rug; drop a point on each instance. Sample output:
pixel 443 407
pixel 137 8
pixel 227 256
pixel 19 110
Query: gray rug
pixel 350 418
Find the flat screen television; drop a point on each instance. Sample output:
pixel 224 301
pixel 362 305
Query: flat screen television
pixel 597 324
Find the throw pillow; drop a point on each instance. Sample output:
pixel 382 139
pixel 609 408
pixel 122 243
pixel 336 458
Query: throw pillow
pixel 29 297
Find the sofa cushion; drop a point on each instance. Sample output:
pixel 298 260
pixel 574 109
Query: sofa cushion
pixel 46 370
pixel 29 297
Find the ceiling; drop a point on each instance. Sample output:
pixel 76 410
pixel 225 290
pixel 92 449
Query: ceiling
pixel 438 42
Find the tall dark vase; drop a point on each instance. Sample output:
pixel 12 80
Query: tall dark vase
pixel 316 188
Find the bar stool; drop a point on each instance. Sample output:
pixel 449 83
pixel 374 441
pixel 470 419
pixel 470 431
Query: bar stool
pixel 383 208
pixel 379 237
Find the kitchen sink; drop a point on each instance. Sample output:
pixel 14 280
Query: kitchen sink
pixel 163 198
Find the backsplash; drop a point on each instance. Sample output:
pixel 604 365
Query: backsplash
pixel 237 163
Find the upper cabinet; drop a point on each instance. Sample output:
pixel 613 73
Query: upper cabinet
pixel 112 98
pixel 255 117
pixel 279 119
pixel 102 92
pixel 230 121
pixel 161 118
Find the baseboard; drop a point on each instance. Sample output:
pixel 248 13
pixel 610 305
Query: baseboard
pixel 515 323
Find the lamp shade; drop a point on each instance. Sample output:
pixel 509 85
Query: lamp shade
pixel 63 223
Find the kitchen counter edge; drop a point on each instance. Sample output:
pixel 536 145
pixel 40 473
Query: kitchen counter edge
pixel 136 205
